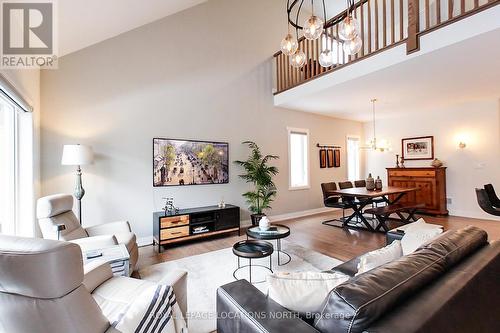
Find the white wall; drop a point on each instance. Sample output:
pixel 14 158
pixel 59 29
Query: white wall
pixel 476 165
pixel 204 73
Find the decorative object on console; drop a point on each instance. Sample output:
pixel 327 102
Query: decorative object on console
pixel 397 161
pixel 260 174
pixel 221 204
pixel 264 223
pixel 370 183
pixel 437 163
pixel 418 148
pixel 169 206
pixel 402 160
pixel 378 183
pixel 188 162
pixel 78 155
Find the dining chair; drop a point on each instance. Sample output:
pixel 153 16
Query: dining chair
pixel 360 183
pixel 332 200
pixel 490 191
pixel 484 202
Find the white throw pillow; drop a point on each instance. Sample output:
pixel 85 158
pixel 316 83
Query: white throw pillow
pixel 303 291
pixel 379 257
pixel 417 234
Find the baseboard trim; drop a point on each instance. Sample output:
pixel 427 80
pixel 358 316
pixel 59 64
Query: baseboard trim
pixel 148 240
pixel 293 215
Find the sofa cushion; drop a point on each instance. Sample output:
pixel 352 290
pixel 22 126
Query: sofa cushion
pixel 354 305
pixel 302 292
pixel 375 258
pixel 417 234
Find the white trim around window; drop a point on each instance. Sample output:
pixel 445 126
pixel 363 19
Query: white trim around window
pixel 299 165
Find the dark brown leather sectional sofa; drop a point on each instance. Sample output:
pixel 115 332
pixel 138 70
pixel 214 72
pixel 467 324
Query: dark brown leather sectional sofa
pixel 451 284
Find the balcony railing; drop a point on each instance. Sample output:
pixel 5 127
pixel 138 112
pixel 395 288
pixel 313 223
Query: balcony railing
pixel 383 24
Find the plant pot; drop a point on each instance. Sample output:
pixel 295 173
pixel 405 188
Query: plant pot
pixel 256 218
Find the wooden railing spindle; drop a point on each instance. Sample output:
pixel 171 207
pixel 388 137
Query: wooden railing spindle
pixel 376 25
pixel 427 15
pixel 462 7
pixel 401 16
pixel 393 39
pixel 450 9
pixel 362 23
pixel 438 11
pixel 384 23
pixel 370 28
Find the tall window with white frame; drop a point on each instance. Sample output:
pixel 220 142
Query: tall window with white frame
pixel 298 158
pixel 16 169
pixel 352 158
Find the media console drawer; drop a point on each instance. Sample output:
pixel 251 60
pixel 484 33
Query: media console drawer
pixel 174 221
pixel 174 233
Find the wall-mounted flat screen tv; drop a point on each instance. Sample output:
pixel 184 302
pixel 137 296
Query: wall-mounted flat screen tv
pixel 189 162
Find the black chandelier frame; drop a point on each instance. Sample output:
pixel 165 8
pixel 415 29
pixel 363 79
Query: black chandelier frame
pixel 291 12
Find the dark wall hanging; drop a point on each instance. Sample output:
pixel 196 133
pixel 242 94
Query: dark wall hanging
pixel 322 158
pixel 336 158
pixel 331 161
pixel 329 156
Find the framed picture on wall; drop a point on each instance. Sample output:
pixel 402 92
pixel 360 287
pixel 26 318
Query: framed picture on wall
pixel 322 158
pixel 330 158
pixel 419 148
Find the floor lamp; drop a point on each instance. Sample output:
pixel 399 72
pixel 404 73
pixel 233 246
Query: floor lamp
pixel 78 155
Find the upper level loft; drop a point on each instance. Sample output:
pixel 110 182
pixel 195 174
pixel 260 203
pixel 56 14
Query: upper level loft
pixel 393 29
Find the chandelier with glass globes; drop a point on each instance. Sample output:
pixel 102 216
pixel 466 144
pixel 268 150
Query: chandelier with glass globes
pixel 314 27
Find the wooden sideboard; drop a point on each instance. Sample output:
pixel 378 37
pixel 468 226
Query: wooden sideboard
pixel 185 224
pixel 431 184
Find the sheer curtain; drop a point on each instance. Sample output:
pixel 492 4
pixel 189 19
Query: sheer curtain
pixel 16 168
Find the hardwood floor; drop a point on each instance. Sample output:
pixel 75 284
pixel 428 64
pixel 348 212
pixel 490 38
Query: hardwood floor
pixel 310 233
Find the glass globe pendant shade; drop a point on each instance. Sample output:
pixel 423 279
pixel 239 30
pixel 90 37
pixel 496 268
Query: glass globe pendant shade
pixel 289 45
pixel 326 58
pixel 313 28
pixel 353 46
pixel 298 59
pixel 349 28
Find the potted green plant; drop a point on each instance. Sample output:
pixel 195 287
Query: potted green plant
pixel 260 174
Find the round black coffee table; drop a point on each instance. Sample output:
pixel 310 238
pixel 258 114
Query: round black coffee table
pixel 275 232
pixel 252 249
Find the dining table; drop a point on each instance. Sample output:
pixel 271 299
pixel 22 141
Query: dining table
pixel 360 197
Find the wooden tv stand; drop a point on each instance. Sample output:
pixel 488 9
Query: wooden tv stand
pixel 185 224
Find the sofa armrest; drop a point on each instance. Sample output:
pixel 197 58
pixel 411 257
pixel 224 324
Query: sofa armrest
pixel 110 228
pixel 348 268
pixel 96 273
pixel 243 308
pixel 95 242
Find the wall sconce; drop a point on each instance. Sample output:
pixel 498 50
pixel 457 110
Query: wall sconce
pixel 462 139
pixel 462 145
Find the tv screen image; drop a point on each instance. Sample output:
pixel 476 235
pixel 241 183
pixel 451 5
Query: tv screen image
pixel 189 162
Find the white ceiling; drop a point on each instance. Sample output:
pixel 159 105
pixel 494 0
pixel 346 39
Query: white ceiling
pixel 86 22
pixel 465 71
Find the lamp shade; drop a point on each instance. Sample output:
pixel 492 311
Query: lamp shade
pixel 77 155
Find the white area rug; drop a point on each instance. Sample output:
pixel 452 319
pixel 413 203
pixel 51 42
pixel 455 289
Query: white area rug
pixel 208 271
